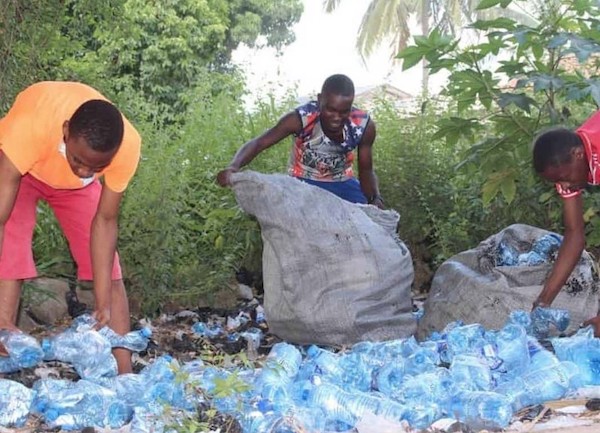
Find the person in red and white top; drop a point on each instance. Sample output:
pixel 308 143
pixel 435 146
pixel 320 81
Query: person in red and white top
pixel 570 159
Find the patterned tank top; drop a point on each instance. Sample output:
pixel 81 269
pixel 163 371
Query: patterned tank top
pixel 315 156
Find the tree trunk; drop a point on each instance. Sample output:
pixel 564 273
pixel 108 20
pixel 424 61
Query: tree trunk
pixel 425 32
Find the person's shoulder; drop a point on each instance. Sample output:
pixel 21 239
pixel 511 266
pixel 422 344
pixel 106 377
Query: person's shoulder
pixel 307 108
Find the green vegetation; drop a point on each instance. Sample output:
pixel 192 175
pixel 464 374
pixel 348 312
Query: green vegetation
pixel 457 169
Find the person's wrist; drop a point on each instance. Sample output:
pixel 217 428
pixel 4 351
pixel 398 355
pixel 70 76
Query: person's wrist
pixel 375 198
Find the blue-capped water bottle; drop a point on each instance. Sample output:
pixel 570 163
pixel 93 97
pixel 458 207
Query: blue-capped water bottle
pixel 22 348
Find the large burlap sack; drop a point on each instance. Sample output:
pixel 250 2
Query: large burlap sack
pixel 472 288
pixel 331 274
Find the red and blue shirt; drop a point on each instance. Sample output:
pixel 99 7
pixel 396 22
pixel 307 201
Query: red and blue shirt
pixel 589 132
pixel 315 156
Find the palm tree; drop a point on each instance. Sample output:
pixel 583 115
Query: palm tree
pixel 390 19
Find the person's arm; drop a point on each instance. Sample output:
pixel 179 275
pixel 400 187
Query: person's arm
pixel 103 246
pixel 10 179
pixel 287 125
pixel 366 175
pixel 569 252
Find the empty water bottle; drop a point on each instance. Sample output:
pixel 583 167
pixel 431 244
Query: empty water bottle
pixel 436 386
pixel 540 385
pixel 22 348
pixel 512 349
pixel 286 357
pixel 136 341
pixel 76 405
pixel 481 409
pixel 15 403
pixel 584 351
pixel 87 350
pixel 207 330
pixel 471 373
pixel 544 320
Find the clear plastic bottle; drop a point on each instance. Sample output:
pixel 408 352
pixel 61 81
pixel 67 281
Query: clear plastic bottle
pixel 539 356
pixel 471 373
pixel 436 386
pixel 324 363
pixel 87 350
pixel 540 385
pixel 423 359
pixel 481 409
pixel 341 408
pixel 15 403
pixel 584 351
pixel 22 348
pixel 136 341
pixel 292 421
pixel 466 339
pixel 545 320
pixel 76 405
pixel 284 356
pixel 512 349
pixel 389 379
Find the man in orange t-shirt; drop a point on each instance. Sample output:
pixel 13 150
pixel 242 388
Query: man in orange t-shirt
pixel 56 141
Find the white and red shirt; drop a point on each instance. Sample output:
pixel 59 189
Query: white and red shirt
pixel 589 132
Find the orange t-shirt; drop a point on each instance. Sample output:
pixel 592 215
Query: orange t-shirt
pixel 31 137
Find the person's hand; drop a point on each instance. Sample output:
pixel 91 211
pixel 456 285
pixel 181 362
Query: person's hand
pixel 540 302
pixel 11 327
pixel 102 316
pixel 378 201
pixel 595 322
pixel 224 176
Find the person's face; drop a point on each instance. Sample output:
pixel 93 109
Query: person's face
pixel 335 109
pixel 572 175
pixel 84 161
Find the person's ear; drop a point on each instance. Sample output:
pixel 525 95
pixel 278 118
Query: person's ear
pixel 65 130
pixel 578 152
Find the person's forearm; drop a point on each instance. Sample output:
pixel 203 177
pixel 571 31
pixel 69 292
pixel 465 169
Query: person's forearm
pixel 368 184
pixel 244 155
pixel 103 247
pixel 568 256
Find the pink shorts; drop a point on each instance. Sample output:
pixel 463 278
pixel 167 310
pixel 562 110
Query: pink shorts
pixel 74 210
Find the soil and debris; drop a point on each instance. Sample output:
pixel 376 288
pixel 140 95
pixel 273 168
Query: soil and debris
pixel 173 334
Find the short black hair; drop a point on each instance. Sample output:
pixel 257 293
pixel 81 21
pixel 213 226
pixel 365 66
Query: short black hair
pixel 100 123
pixel 553 148
pixel 338 84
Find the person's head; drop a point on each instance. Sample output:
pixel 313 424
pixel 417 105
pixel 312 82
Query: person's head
pixel 92 137
pixel 559 156
pixel 335 102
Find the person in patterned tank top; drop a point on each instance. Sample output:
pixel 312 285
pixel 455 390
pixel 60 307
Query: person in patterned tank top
pixel 326 133
pixel 569 159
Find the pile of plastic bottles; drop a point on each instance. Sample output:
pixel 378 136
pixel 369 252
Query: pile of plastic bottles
pixel 477 376
pixel 542 251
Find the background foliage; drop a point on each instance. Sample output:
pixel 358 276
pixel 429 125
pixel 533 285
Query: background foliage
pixel 457 168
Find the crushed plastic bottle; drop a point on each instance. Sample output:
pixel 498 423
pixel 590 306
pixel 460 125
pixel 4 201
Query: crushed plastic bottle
pixel 543 320
pixel 136 341
pixel 76 405
pixel 584 351
pixel 471 373
pixel 23 350
pixel 15 403
pixel 87 350
pixel 540 385
pixel 481 409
